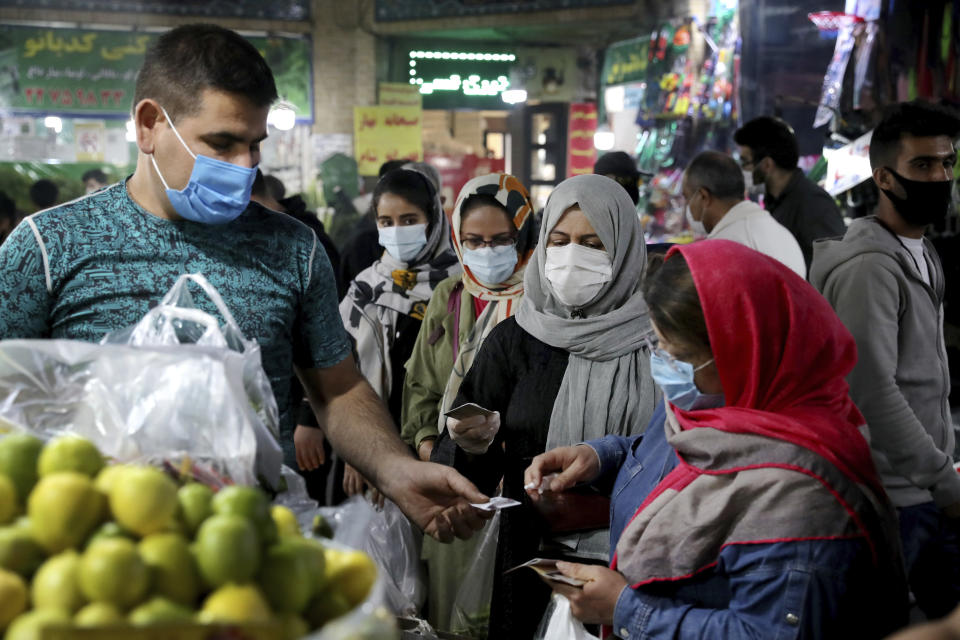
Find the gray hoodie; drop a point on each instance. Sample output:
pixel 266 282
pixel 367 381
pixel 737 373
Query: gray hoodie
pixel 901 381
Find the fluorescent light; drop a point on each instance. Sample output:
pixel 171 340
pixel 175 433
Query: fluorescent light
pixel 614 98
pixel 604 140
pixel 514 96
pixel 282 117
pixel 53 122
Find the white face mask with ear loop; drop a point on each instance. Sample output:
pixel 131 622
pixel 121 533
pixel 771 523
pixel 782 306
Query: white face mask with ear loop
pixel 577 273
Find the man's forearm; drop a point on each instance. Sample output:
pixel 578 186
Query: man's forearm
pixel 362 432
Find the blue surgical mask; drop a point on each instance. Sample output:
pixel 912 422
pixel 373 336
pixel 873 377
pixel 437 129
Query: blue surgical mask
pixel 491 265
pixel 675 377
pixel 404 243
pixel 218 191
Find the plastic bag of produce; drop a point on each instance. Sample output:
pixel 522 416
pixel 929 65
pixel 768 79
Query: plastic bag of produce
pixel 153 398
pixel 177 321
pixel 559 624
pixel 393 543
pixel 471 609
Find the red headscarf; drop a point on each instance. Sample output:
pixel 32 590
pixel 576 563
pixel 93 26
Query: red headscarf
pixel 782 355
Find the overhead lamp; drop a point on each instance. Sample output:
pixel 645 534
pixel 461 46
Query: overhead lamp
pixel 514 96
pixel 603 139
pixel 53 122
pixel 282 117
pixel 615 98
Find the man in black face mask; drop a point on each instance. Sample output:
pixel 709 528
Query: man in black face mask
pixel 886 283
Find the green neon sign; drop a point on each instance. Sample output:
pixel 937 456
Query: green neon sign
pixel 460 78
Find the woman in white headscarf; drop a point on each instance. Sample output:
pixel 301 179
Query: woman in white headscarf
pixel 386 302
pixel 571 365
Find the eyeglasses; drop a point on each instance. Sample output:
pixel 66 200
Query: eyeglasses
pixel 653 345
pixel 474 243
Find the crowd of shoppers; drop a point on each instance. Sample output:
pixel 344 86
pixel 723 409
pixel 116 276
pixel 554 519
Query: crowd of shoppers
pixel 776 453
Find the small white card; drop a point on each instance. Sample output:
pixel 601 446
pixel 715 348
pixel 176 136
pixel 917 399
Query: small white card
pixel 496 504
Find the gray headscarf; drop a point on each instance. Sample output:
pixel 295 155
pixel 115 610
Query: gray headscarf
pixel 607 387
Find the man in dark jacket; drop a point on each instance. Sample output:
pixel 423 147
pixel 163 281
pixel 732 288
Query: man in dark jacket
pixel 885 281
pixel 769 155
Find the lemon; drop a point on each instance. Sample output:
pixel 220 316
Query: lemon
pixel 159 610
pixel 55 586
pixel 173 569
pixel 321 527
pixel 30 625
pixel 13 597
pixel 251 503
pixel 326 606
pixel 70 453
pixel 8 500
pixel 19 552
pixel 227 550
pixel 63 509
pixel 195 505
pixel 109 476
pixel 293 627
pixel 286 522
pixel 286 577
pixel 351 573
pixel 145 501
pixel 98 614
pixel 109 530
pixel 111 571
pixel 315 558
pixel 18 461
pixel 235 603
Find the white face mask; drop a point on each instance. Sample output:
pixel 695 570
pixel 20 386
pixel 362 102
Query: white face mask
pixel 695 225
pixel 577 273
pixel 404 243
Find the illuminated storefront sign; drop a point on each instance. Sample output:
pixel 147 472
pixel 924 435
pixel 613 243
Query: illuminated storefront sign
pixel 459 78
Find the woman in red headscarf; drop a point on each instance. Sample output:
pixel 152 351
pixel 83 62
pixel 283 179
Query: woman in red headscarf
pixel 752 509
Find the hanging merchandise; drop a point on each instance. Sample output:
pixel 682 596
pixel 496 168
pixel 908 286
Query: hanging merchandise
pixel 833 81
pixel 864 66
pixel 951 42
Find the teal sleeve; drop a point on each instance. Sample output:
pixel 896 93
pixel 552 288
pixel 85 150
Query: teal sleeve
pixel 320 340
pixel 25 302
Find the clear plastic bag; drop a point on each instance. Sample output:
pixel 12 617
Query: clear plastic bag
pixel 393 543
pixel 177 321
pixel 471 608
pixel 137 404
pixel 559 624
pixel 173 387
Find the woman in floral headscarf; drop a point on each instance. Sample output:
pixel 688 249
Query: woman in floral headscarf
pixel 493 236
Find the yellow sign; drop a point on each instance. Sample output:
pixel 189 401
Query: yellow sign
pixel 90 139
pixel 386 133
pixel 398 94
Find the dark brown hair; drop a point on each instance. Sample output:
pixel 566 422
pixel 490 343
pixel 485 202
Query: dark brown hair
pixel 186 60
pixel 674 302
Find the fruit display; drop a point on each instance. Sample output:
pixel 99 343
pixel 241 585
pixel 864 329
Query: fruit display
pixel 87 544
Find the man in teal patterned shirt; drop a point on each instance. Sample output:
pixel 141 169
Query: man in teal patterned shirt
pixel 97 264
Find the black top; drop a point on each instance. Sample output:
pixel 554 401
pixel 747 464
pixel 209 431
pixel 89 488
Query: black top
pixel 519 376
pixel 360 251
pixel 405 338
pixel 809 212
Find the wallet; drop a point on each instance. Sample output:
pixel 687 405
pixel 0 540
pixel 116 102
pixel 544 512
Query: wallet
pixel 573 511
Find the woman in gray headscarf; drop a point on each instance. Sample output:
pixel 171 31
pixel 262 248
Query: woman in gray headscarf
pixel 570 366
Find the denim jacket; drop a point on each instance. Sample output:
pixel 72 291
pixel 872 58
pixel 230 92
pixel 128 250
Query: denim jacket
pixel 804 589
